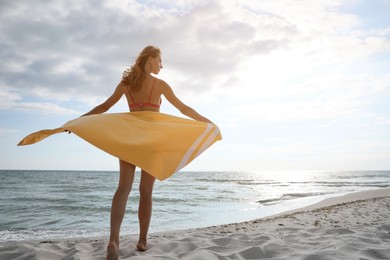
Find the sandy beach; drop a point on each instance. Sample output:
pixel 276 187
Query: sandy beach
pixel 354 226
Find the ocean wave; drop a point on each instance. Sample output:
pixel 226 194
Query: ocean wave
pixel 289 196
pixel 41 235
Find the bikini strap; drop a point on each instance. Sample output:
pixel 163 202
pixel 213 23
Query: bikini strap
pixel 131 97
pixel 151 91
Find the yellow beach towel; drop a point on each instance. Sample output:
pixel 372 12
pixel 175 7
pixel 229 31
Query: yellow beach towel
pixel 160 144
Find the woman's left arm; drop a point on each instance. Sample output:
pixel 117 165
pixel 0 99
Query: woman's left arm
pixel 106 105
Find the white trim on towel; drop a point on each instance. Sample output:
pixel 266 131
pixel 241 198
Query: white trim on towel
pixel 193 147
pixel 208 142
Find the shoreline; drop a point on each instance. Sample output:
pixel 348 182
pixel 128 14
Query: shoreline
pixel 355 224
pixel 345 198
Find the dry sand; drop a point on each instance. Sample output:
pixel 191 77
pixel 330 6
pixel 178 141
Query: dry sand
pixel 355 226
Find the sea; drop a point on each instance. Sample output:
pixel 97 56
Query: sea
pixel 44 205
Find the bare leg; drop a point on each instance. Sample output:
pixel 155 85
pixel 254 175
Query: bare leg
pixel 118 207
pixel 145 208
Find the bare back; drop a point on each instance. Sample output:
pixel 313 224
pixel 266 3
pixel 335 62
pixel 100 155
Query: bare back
pixel 148 98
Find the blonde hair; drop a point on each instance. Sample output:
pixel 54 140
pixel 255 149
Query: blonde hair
pixel 135 75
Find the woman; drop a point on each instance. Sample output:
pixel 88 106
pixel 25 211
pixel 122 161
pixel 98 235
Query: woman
pixel 143 93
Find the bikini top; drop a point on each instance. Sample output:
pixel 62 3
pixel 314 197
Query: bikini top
pixel 144 104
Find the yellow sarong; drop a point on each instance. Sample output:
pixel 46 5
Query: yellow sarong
pixel 158 143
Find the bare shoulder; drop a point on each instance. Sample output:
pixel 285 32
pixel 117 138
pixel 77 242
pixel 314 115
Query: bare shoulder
pixel 161 82
pixel 122 87
pixel 163 86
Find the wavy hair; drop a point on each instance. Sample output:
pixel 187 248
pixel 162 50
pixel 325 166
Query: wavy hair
pixel 135 75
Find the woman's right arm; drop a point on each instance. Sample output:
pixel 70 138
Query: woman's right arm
pixel 106 105
pixel 183 108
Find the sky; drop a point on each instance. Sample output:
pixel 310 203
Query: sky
pixel 292 84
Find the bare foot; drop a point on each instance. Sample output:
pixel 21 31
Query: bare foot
pixel 112 252
pixel 141 246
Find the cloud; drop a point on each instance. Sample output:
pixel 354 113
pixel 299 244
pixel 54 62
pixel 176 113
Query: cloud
pixel 45 108
pixel 5 131
pixel 326 97
pixel 13 101
pixel 82 48
pixel 61 52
